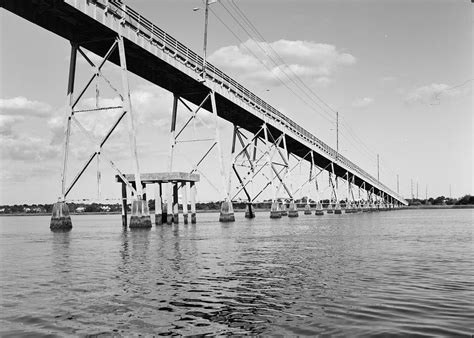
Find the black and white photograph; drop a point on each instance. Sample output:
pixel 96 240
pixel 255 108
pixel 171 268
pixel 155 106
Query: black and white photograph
pixel 236 168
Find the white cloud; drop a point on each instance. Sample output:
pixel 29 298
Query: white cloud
pixel 25 148
pixel 152 110
pixel 314 62
pixel 7 122
pixel 362 102
pixel 386 79
pixel 433 93
pixel 22 106
pixel 149 104
pixel 15 110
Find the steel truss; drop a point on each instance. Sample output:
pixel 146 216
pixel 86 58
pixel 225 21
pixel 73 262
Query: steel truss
pixel 176 137
pixel 72 118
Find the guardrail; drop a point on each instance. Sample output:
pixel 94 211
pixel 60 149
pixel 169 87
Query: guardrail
pixel 189 58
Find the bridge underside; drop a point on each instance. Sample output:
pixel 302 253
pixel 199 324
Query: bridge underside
pixel 66 21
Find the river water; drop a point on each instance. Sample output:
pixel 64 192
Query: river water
pixel 406 272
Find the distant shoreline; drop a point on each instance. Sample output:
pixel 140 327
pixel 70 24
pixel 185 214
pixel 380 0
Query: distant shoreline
pixel 468 206
pixel 465 206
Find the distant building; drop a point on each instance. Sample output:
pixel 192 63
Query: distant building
pixel 80 209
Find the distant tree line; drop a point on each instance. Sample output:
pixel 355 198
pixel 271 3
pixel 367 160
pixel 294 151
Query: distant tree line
pixel 240 205
pixel 442 200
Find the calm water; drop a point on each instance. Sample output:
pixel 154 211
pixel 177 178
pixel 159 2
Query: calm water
pixel 402 272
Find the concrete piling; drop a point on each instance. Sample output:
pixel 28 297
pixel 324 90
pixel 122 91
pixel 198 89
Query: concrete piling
pixel 169 200
pixel 158 205
pixel 337 209
pixel 140 217
pixel 227 212
pixel 319 209
pixel 366 207
pixel 124 205
pixel 275 210
pixel 349 209
pixel 164 215
pixel 60 218
pixel 175 204
pixel 330 209
pixel 193 202
pixel 307 209
pixel 249 212
pixel 167 185
pixel 185 202
pixel 283 210
pixel 292 210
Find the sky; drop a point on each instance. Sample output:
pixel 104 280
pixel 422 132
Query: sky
pixel 398 72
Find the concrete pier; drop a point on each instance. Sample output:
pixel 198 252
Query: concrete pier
pixel 167 183
pixel 175 204
pixel 60 218
pixel 164 215
pixel 283 210
pixel 140 217
pixel 124 205
pixel 249 212
pixel 330 209
pixel 193 202
pixel 319 209
pixel 337 209
pixel 227 212
pixel 169 203
pixel 158 205
pixel 307 209
pixel 292 210
pixel 366 207
pixel 349 208
pixel 185 202
pixel 275 210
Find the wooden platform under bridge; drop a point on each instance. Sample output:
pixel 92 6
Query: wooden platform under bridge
pixel 170 183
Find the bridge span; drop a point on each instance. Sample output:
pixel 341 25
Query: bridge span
pixel 107 26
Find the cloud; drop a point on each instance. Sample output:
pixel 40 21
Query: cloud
pixel 314 62
pixel 15 110
pixel 386 79
pixel 22 106
pixel 431 94
pixel 25 148
pixel 362 102
pixel 149 104
pixel 7 122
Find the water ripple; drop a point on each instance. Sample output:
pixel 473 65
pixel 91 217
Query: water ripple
pixel 378 274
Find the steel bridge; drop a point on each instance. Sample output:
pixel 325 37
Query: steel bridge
pixel 107 26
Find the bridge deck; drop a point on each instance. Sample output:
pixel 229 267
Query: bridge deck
pixel 159 58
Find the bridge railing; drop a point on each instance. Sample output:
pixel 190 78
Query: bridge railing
pixel 189 58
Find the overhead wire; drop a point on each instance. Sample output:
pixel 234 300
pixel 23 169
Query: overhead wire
pixel 329 118
pixel 325 109
pixel 281 62
pixel 261 62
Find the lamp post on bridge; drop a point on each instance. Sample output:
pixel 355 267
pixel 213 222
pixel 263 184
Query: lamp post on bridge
pixel 337 134
pixel 206 22
pixel 378 168
pixel 398 185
